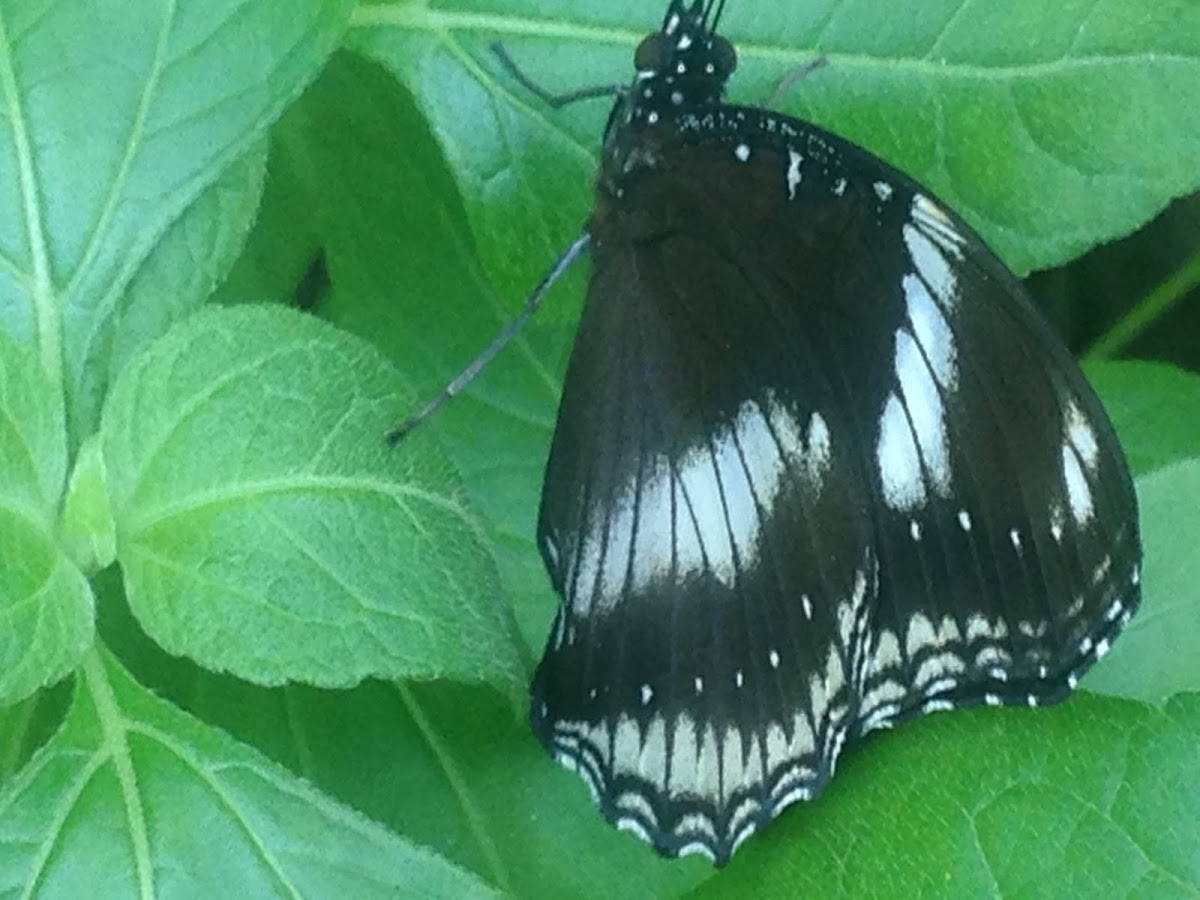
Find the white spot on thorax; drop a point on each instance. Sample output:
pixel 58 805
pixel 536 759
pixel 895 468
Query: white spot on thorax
pixel 685 41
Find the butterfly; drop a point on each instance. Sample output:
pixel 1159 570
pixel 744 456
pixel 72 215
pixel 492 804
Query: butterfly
pixel 820 466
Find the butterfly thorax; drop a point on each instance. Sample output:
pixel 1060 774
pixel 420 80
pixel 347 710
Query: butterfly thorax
pixel 681 69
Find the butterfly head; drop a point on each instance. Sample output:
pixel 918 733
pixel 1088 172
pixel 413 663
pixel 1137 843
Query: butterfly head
pixel 686 63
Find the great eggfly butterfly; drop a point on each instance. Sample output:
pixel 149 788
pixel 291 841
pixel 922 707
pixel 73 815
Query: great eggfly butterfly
pixel 820 466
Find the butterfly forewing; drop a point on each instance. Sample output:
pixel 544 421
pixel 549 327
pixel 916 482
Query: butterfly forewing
pixel 819 466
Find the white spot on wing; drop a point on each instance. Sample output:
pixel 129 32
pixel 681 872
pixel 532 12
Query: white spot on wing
pixel 793 172
pixel 1079 495
pixel 896 455
pixel 883 190
pixel 742 152
pixel 932 331
pixel 925 410
pixel 684 757
pixel 932 265
pixel 932 220
pixel 1081 435
pixel 818 448
pixel 920 634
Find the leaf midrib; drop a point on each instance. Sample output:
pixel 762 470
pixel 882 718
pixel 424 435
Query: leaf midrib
pixel 420 18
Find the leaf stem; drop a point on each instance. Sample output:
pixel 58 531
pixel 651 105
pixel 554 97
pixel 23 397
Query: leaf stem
pixel 116 748
pixel 1152 307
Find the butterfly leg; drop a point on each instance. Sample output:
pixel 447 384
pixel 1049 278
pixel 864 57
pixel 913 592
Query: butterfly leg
pixel 800 71
pixel 554 100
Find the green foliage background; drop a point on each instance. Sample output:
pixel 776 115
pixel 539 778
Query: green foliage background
pixel 245 646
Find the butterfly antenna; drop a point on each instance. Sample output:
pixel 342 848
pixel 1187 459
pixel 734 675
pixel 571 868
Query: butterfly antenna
pixel 712 24
pixel 507 333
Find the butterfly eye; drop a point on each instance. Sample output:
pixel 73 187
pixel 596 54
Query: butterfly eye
pixel 653 53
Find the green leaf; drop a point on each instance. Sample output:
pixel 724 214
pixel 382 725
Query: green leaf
pixel 122 129
pixel 1050 127
pixel 1157 655
pixel 265 527
pixel 87 530
pixel 1086 799
pixel 190 258
pixel 133 797
pixel 1145 401
pixel 385 210
pixel 46 610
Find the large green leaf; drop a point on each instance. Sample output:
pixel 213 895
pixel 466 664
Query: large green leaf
pixel 130 164
pixel 264 527
pixel 1081 801
pixel 45 602
pixel 133 798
